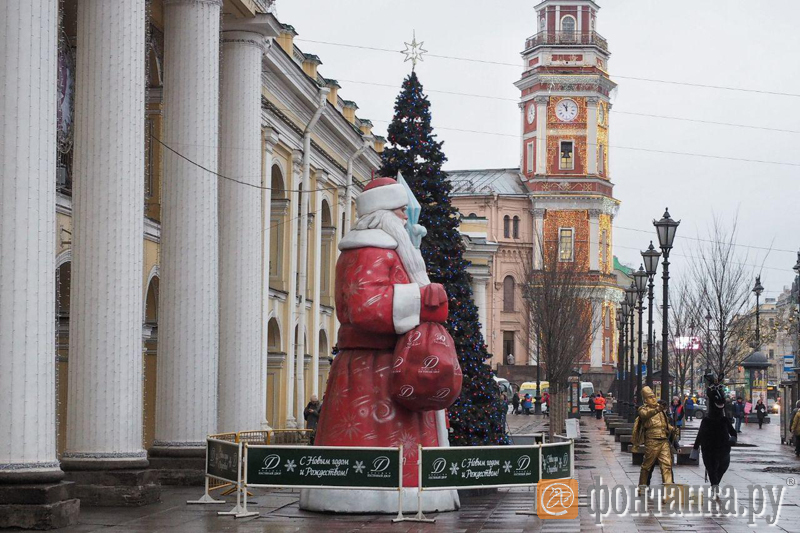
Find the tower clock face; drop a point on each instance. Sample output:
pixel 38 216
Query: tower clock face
pixel 567 110
pixel 531 113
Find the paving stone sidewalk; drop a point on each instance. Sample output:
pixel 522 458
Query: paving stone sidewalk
pixel 761 460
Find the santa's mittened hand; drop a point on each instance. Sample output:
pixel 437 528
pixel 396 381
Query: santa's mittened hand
pixel 434 304
pixel 433 295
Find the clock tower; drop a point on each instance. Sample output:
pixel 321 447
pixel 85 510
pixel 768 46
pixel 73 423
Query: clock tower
pixel 565 110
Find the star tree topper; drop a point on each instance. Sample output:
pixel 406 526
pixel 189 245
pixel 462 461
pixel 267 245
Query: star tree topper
pixel 414 51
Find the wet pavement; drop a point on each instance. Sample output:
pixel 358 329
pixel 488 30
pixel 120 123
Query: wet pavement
pixel 760 459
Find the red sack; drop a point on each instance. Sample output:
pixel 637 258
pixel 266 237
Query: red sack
pixel 426 375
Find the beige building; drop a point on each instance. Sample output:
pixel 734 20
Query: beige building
pixel 186 176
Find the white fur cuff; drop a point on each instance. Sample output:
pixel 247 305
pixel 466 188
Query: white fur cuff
pixel 387 197
pixel 406 307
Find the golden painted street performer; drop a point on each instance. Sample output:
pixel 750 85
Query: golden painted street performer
pixel 397 369
pixel 653 430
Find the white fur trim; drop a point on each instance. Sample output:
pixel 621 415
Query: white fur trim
pixel 406 307
pixel 387 197
pixel 367 238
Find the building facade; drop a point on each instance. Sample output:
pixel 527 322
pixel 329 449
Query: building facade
pixel 171 204
pixel 561 195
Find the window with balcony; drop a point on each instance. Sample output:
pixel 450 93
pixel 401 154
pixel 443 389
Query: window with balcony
pixel 566 244
pixel 567 157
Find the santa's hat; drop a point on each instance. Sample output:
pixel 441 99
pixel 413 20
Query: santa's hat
pixel 379 194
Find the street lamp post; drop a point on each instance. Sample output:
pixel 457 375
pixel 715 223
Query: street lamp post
pixel 691 347
pixel 651 257
pixel 640 280
pixel 623 358
pixel 796 268
pixel 630 297
pixel 757 290
pixel 538 408
pixel 620 357
pixel 708 342
pixel 665 228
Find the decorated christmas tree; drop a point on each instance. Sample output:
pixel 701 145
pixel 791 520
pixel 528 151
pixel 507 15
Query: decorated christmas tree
pixel 478 416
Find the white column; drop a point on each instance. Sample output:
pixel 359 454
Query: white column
pixel 541 134
pixel 538 237
pixel 596 353
pixel 186 411
pixel 270 140
pixel 104 409
pixel 28 60
pixel 322 180
pixel 479 297
pixel 578 22
pixel 239 228
pixel 594 239
pixel 591 135
pixel 291 300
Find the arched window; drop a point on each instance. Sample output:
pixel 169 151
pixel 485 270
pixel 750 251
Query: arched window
pixel 508 294
pixel 278 225
pixel 506 226
pixel 568 26
pixel 326 248
pixel 516 227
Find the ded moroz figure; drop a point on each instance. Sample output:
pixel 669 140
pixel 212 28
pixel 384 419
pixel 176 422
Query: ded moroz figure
pixel 397 369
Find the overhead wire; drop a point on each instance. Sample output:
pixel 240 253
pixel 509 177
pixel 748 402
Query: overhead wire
pixel 519 65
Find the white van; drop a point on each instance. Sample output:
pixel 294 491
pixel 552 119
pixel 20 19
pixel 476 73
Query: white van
pixel 587 389
pixel 505 387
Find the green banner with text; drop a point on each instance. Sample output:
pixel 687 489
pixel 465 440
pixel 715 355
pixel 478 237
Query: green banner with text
pixel 222 460
pixel 557 461
pixel 317 466
pixel 473 466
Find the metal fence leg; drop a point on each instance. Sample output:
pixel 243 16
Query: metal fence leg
pixel 205 498
pixel 533 507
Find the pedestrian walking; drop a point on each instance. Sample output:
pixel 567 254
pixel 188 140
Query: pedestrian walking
pixel 515 403
pixel 761 412
pixel 527 404
pixel 676 412
pixel 311 416
pixel 688 408
pixel 546 403
pixel 738 413
pixel 599 405
pixel 796 429
pixel 591 404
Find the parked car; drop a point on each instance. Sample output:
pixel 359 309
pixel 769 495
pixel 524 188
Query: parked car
pixel 700 408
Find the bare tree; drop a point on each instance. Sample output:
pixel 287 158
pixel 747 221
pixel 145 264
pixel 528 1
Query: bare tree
pixel 558 300
pixel 721 289
pixel 681 320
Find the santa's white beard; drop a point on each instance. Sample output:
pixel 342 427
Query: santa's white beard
pixel 411 257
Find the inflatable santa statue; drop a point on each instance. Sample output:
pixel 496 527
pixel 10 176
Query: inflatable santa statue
pixel 397 369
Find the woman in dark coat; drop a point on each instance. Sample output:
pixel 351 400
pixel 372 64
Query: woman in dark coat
pixel 761 412
pixel 716 435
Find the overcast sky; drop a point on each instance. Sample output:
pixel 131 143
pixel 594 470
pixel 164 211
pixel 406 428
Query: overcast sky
pixel 742 44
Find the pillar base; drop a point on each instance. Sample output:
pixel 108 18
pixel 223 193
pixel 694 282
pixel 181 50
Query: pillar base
pixel 115 488
pixel 178 466
pixel 38 506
